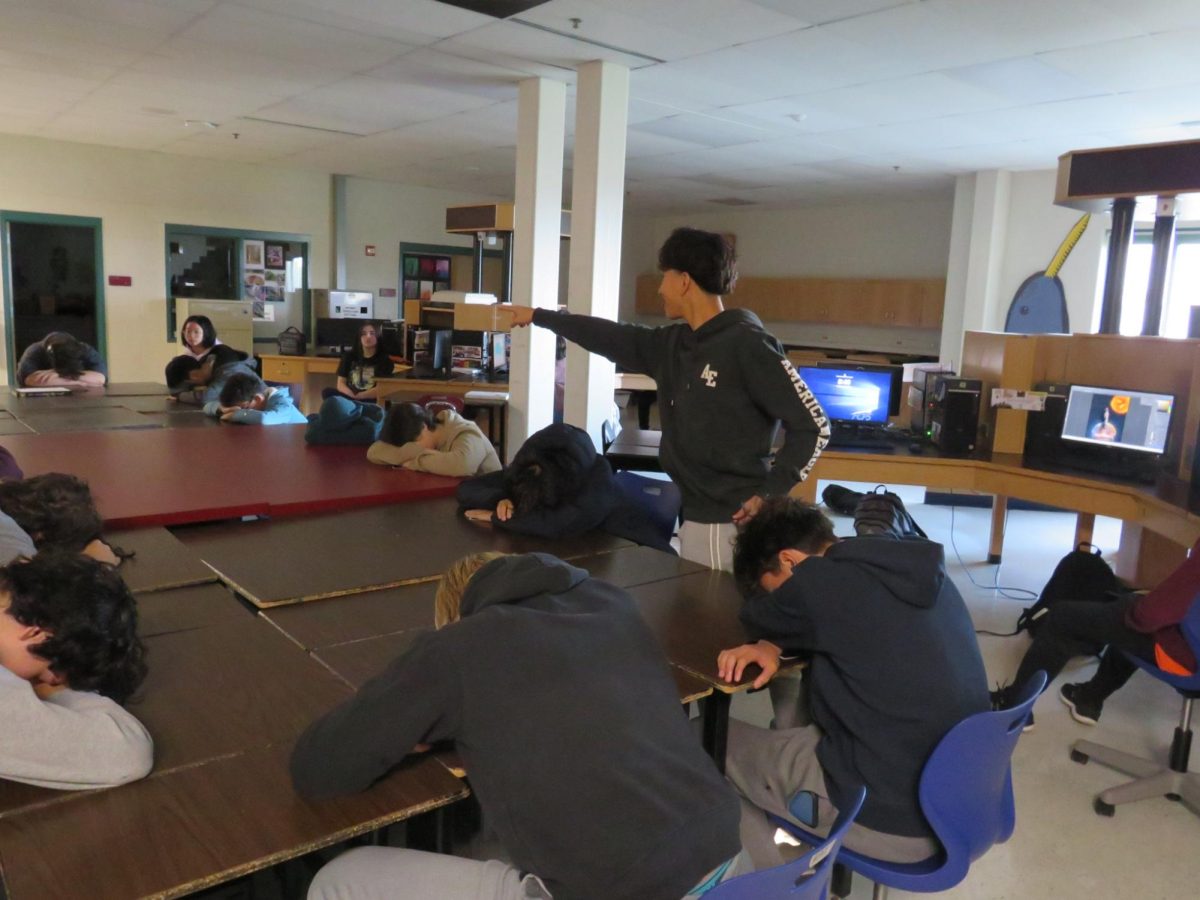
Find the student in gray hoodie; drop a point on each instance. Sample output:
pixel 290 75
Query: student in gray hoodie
pixel 69 656
pixel 724 386
pixel 563 708
pixel 443 443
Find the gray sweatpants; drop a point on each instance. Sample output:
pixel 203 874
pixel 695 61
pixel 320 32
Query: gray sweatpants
pixel 386 873
pixel 770 767
pixel 708 545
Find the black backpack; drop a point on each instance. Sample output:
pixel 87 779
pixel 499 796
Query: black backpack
pixel 1081 575
pixel 882 512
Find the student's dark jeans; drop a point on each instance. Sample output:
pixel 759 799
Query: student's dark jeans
pixel 1084 629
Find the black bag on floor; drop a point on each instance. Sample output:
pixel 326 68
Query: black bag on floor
pixel 292 342
pixel 882 512
pixel 1081 575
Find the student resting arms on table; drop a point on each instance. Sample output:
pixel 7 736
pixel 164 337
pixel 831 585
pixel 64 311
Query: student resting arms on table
pixel 724 386
pixel 443 443
pixel 205 361
pixel 894 665
pixel 57 511
pixel 60 360
pixel 361 365
pixel 246 400
pixel 570 727
pixel 69 656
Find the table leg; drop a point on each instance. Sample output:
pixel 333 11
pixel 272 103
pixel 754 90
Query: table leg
pixel 645 399
pixel 1084 525
pixel 716 726
pixel 999 513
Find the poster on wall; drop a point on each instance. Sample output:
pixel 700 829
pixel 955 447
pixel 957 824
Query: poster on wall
pixel 252 254
pixel 274 285
pixel 274 256
pixel 263 311
pixel 254 286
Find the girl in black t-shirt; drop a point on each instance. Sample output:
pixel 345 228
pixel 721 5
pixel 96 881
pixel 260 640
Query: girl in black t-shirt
pixel 361 366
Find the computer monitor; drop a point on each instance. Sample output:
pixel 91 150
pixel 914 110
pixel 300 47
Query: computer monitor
pixel 850 395
pixel 1115 417
pixel 342 334
pixel 499 351
pixel 896 373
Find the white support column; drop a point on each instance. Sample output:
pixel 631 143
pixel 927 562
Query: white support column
pixel 541 119
pixel 597 206
pixel 340 240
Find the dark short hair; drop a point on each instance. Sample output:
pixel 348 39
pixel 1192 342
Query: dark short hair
pixel 240 387
pixel 706 256
pixel 780 524
pixel 66 354
pixel 90 615
pixel 207 329
pixel 56 510
pixel 404 423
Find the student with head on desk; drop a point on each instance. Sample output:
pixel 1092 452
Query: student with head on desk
pixel 69 656
pixel 57 511
pixel 724 386
pixel 361 365
pixel 442 443
pixel 205 363
pixel 557 696
pixel 246 400
pixel 60 360
pixel 894 666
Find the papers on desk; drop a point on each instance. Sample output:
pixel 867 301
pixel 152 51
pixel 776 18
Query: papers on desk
pixel 1008 398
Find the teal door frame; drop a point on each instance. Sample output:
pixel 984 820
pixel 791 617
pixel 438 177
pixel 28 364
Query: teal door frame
pixel 9 216
pixel 240 235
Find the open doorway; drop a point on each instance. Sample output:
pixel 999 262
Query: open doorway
pixel 53 280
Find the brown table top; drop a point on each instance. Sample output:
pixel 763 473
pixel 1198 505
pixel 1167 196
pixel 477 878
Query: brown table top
pixel 349 552
pixel 357 662
pixel 695 617
pixel 356 616
pixel 183 831
pixel 160 561
pixel 10 425
pixel 630 566
pixel 89 419
pixel 231 686
pixel 169 476
pixel 637 437
pixel 185 608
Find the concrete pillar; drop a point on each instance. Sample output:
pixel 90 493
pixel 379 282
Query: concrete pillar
pixel 597 206
pixel 541 118
pixel 340 238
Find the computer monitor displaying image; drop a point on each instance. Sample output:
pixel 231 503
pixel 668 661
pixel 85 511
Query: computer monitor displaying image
pixel 896 373
pixel 850 395
pixel 499 352
pixel 1115 417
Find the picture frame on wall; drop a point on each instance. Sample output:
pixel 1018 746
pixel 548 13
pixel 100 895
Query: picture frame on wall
pixel 274 256
pixel 252 254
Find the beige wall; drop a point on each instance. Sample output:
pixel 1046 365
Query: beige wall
pixel 135 194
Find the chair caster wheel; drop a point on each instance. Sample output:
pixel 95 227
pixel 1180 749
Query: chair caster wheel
pixel 1104 809
pixel 1079 757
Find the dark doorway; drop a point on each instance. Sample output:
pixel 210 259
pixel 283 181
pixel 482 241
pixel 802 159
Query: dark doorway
pixel 52 267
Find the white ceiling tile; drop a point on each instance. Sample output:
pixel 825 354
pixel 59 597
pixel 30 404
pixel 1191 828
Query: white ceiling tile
pixel 142 15
pixel 285 37
pixel 1156 15
pixel 435 69
pixel 410 21
pixel 532 50
pixel 26 26
pixel 794 114
pixel 135 92
pixel 818 12
pixel 1022 27
pixel 243 135
pixel 912 98
pixel 218 69
pixel 132 131
pixel 1136 64
pixel 1025 79
pixel 708 131
pixel 640 143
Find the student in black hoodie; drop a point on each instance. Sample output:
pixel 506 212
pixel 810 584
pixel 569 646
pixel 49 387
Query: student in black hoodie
pixel 724 385
pixel 894 666
pixel 559 700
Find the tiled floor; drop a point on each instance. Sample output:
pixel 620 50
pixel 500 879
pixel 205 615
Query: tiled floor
pixel 1061 848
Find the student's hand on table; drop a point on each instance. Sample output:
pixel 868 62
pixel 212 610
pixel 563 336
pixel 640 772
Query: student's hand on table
pixel 100 551
pixel 505 510
pixel 732 663
pixel 520 315
pixel 479 515
pixel 228 414
pixel 748 510
pixel 42 378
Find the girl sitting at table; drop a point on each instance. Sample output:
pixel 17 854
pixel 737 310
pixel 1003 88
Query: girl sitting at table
pixel 205 363
pixel 360 366
pixel 442 442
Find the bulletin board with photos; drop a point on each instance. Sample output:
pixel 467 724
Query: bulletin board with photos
pixel 424 274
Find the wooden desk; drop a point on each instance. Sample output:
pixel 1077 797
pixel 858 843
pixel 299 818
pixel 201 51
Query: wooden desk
pixel 184 831
pixel 346 553
pixel 95 418
pixel 635 449
pixel 356 617
pixel 636 565
pixel 357 662
pixel 457 386
pixel 160 561
pixel 186 608
pixel 176 476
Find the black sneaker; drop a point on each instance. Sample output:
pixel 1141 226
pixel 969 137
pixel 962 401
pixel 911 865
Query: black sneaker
pixel 840 499
pixel 1002 699
pixel 1082 709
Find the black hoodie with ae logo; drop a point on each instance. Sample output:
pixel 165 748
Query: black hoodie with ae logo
pixel 723 391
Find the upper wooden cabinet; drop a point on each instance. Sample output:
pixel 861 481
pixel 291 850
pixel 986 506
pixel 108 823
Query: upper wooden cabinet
pixel 900 302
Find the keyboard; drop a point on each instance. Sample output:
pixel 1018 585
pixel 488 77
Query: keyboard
pixel 860 437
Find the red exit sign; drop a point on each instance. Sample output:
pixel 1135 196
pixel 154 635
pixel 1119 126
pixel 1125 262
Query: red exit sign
pixel 120 280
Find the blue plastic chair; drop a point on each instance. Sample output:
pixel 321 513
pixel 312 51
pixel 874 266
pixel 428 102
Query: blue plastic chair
pixel 806 878
pixel 658 498
pixel 966 795
pixel 1153 779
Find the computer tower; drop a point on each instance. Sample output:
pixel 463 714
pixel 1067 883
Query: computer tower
pixel 1043 430
pixel 953 411
pixel 919 394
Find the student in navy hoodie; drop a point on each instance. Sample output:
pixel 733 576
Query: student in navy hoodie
pixel 724 386
pixel 894 665
pixel 563 708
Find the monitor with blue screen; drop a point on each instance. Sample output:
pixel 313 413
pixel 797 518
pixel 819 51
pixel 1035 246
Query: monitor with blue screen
pixel 850 395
